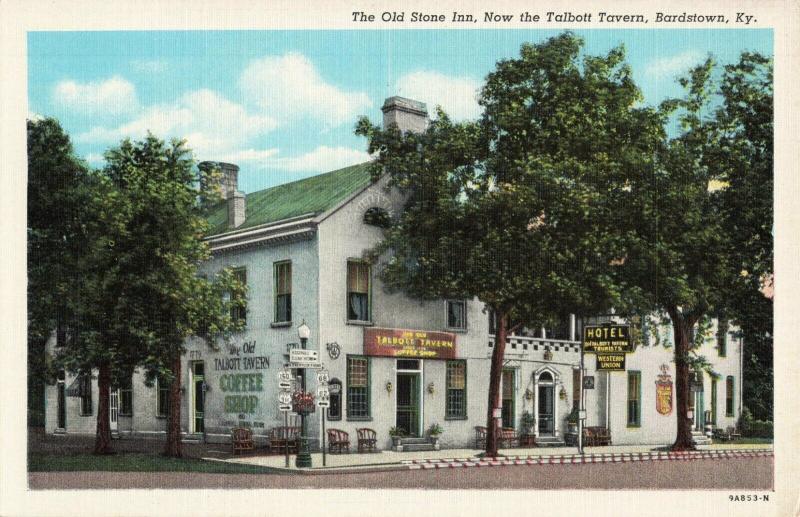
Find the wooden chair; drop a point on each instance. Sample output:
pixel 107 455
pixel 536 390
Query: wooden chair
pixel 594 436
pixel 242 440
pixel 282 437
pixel 367 439
pixel 508 438
pixel 338 441
pixel 480 437
pixel 733 433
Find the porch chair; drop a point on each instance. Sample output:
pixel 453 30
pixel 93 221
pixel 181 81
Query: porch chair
pixel 242 440
pixel 338 441
pixel 367 439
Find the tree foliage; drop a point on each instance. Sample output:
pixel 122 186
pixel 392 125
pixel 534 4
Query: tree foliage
pixel 131 279
pixel 517 208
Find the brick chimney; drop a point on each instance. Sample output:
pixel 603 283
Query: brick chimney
pixel 229 184
pixel 406 114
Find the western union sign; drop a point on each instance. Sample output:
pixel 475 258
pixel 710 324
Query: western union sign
pixel 611 362
pixel 607 339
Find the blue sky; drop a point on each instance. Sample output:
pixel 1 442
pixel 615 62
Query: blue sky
pixel 282 104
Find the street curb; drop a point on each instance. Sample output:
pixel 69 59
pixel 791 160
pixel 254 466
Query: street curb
pixel 623 457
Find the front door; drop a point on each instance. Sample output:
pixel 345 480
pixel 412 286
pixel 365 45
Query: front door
pixel 699 411
pixel 113 409
pixel 198 397
pixel 546 406
pixel 508 399
pixel 62 403
pixel 408 403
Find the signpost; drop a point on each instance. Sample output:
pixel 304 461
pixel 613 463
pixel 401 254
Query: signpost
pixel 609 342
pixel 323 401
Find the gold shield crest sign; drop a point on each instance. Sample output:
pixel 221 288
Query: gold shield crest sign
pixel 664 391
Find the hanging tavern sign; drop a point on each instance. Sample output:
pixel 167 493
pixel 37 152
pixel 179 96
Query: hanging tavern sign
pixel 664 391
pixel 607 339
pixel 420 344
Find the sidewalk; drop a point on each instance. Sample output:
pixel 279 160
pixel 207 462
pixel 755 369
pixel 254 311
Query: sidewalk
pixel 390 460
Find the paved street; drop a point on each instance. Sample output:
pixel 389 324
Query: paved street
pixel 751 473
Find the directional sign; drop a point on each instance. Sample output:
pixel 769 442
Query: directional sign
pixel 304 365
pixel 284 379
pixel 323 397
pixel 607 339
pixel 304 357
pixel 285 407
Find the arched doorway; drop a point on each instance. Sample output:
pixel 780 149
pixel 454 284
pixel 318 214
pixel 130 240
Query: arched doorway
pixel 546 379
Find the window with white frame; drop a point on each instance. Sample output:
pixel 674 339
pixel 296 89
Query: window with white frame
pixel 457 314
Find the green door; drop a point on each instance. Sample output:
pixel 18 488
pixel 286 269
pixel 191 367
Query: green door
pixel 408 403
pixel 198 379
pixel 699 411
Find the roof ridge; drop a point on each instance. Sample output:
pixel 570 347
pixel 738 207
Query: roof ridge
pixel 309 177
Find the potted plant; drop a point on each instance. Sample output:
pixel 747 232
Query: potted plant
pixel 527 422
pixel 396 433
pixel 433 432
pixel 572 421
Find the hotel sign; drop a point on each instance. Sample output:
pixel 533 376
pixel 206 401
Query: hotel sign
pixel 417 344
pixel 607 339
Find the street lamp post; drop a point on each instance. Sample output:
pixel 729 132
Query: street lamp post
pixel 303 459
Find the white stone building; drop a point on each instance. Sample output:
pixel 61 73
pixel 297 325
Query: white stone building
pixel 299 246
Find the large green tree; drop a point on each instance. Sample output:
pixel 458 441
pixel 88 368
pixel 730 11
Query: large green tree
pixel 57 208
pixel 161 250
pixel 744 121
pixel 516 208
pixel 696 244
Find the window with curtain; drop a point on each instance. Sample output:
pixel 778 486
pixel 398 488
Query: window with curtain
pixel 283 292
pixel 357 387
pixel 86 395
pixel 729 396
pixel 358 278
pixel 457 314
pixel 714 401
pixel 634 399
pixel 456 381
pixel 722 334
pixel 240 313
pixel 162 409
pixel 126 399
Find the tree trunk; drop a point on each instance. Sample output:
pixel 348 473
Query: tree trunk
pixel 173 445
pixel 682 326
pixel 495 375
pixel 102 442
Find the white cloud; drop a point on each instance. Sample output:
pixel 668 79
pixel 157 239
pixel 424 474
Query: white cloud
pixel 248 155
pixel 289 87
pixel 212 125
pixel 458 96
pixel 34 117
pixel 153 66
pixel 321 159
pixel 111 96
pixel 668 67
pixel 95 159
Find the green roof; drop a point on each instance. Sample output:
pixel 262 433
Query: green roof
pixel 310 195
